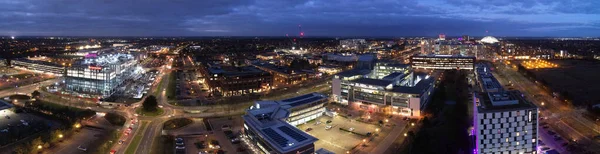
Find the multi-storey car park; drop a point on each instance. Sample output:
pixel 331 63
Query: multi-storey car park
pixel 269 125
pixel 101 75
pixel 38 66
pixel 388 88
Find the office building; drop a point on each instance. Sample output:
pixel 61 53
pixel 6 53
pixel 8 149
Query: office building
pixel 100 75
pixel 485 80
pixel 388 88
pixel 38 66
pixel 442 62
pixel 283 75
pixel 235 81
pixel 505 123
pixel 269 125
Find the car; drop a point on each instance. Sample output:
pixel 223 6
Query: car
pixel 328 127
pixel 4 130
pixel 179 139
pixel 179 143
pixel 545 126
pixel 226 127
pixel 351 129
pixel 308 129
pixel 329 121
pixel 121 142
pixel 551 132
pixel 318 122
pixel 180 147
pixel 82 148
pixel 7 117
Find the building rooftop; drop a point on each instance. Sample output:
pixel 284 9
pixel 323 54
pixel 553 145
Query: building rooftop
pixel 280 69
pixel 267 118
pixel 375 82
pixel 424 82
pixel 37 62
pixel 353 72
pixel 234 71
pixel 503 101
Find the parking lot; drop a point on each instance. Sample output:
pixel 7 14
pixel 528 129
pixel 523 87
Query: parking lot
pixel 336 140
pixel 187 86
pixel 85 138
pixel 16 126
pixel 224 133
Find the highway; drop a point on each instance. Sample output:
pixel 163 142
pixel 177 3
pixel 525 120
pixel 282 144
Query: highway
pixel 565 119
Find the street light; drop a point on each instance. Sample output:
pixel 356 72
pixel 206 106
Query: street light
pixel 405 134
pixel 543 104
pixel 60 135
pixel 376 129
pixel 412 124
pixel 39 146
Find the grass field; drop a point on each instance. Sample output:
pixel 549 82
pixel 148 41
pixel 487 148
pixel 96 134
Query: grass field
pixel 171 87
pixel 141 112
pixel 135 142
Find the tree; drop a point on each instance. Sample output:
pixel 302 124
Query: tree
pixel 150 104
pixel 35 94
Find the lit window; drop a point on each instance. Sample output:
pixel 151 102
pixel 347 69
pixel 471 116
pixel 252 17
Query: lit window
pixel 532 140
pixel 518 134
pixel 517 143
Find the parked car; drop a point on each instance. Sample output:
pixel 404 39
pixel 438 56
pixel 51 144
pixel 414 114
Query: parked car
pixel 308 129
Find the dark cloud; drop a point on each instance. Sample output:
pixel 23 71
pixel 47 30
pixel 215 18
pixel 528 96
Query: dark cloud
pixel 317 17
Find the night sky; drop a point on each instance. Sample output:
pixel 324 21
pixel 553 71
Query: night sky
pixel 317 17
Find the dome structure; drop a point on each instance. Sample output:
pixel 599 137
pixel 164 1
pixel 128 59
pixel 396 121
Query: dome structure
pixel 489 39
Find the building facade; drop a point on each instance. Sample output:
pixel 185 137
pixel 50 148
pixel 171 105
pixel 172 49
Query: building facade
pixel 402 91
pixel 235 81
pixel 505 123
pixel 442 62
pixel 38 66
pixel 100 75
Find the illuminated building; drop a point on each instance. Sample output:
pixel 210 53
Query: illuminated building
pixel 267 56
pixel 505 122
pixel 235 81
pixel 352 43
pixel 38 66
pixel 442 37
pixel 489 40
pixel 101 75
pixel 442 62
pixel 284 75
pixel 269 125
pixel 391 88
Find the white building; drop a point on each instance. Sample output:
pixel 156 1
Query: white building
pixel 269 125
pixel 393 89
pixel 505 123
pixel 101 75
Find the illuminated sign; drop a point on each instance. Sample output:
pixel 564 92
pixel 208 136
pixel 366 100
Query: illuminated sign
pixel 94 67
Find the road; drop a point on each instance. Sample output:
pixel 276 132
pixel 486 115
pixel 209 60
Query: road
pixel 28 89
pixel 568 120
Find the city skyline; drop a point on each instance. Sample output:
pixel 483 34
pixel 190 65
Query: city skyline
pixel 317 18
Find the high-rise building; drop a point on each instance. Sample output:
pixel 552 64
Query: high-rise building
pixel 466 38
pixel 442 37
pixel 505 123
